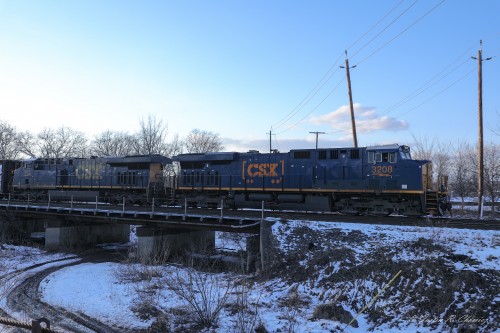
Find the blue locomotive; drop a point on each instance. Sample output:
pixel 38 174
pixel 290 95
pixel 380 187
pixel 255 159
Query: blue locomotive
pixel 376 180
pixel 139 179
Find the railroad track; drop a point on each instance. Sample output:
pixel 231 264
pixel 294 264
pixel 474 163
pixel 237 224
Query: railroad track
pixel 23 297
pixel 428 221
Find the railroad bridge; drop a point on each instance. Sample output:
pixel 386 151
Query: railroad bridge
pixel 71 225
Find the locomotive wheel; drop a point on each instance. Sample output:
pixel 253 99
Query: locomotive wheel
pixel 380 211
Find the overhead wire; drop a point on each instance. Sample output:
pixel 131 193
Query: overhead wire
pixel 424 102
pixel 384 29
pixel 426 85
pixel 312 93
pixel 440 92
pixel 431 82
pixel 327 76
pixel 376 24
pixel 313 109
pixel 401 33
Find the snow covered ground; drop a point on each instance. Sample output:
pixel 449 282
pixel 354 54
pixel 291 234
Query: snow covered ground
pixel 374 276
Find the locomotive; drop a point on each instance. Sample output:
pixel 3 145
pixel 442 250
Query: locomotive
pixel 138 178
pixel 378 180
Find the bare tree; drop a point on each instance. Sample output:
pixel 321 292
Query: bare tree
pixel 462 177
pixel 434 151
pixel 26 143
pixel 109 143
pixel 204 291
pixel 423 148
pixel 492 172
pixel 199 141
pixel 8 141
pixel 174 147
pixel 151 138
pixel 62 142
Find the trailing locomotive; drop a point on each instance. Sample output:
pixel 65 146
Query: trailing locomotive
pixel 376 180
pixel 138 179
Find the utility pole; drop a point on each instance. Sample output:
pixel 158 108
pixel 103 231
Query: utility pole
pixel 480 139
pixel 270 142
pixel 353 122
pixel 317 133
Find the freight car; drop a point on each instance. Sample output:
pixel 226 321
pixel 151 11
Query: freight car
pixel 376 180
pixel 138 178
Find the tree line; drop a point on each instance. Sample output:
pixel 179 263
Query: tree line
pixel 64 142
pixel 459 162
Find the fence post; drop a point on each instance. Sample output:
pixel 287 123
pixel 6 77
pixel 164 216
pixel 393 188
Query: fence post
pixel 221 209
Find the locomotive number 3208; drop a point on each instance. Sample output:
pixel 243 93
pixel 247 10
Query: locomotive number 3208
pixel 381 169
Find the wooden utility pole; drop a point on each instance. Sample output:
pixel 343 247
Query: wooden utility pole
pixel 317 133
pixel 480 148
pixel 270 142
pixel 353 121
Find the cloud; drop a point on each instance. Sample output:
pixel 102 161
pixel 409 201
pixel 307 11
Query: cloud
pixel 366 119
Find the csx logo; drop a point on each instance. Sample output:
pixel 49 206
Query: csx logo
pixel 261 169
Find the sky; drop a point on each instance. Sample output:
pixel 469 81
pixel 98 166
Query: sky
pixel 244 69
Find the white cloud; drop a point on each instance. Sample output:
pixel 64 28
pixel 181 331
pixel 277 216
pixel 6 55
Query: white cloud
pixel 366 118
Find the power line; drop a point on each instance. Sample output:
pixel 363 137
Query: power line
pixel 329 74
pixel 373 26
pixel 429 83
pixel 312 93
pixel 402 32
pixel 313 109
pixel 440 92
pixel 385 28
pixel 419 105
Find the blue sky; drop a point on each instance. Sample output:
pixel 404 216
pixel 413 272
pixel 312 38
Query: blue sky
pixel 243 68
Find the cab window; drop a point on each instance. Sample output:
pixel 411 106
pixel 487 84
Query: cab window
pixel 374 157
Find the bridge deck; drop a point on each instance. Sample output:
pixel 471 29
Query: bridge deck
pixel 146 218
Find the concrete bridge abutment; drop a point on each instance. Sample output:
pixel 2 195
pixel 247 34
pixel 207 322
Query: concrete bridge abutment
pixel 158 244
pixel 260 249
pixel 61 234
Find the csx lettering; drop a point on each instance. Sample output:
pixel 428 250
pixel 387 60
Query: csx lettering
pixel 262 169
